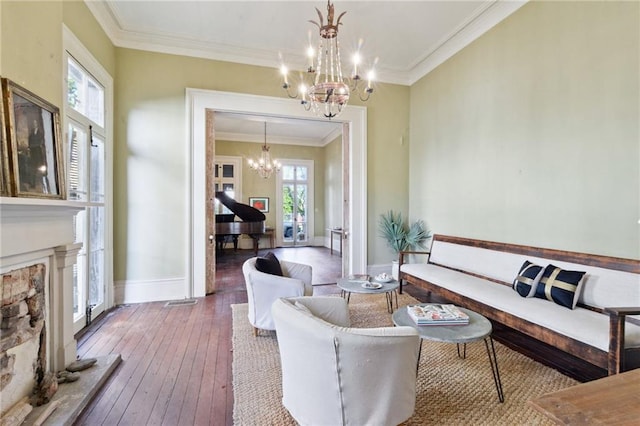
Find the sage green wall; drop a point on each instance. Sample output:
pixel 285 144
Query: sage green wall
pixel 150 164
pixel 79 19
pixel 530 134
pixel 31 43
pixel 387 161
pixel 333 184
pixel 32 47
pixel 149 146
pixel 255 186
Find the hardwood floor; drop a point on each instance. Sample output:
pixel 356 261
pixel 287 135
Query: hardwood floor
pixel 176 367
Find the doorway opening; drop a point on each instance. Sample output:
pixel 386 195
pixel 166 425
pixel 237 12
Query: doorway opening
pixel 201 150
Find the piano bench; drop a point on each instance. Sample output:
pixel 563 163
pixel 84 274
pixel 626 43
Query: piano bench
pixel 271 233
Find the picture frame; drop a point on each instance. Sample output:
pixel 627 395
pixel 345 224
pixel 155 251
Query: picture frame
pixel 260 203
pixel 5 184
pixel 36 164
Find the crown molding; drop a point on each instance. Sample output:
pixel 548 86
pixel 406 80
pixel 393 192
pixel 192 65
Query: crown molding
pixel 463 36
pixel 483 20
pixel 105 18
pixel 279 140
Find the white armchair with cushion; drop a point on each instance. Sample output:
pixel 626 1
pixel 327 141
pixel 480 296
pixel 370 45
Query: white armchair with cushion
pixel 357 376
pixel 264 288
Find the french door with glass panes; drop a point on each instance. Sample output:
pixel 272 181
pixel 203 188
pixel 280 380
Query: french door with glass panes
pixel 228 179
pixel 86 115
pixel 86 182
pixel 295 203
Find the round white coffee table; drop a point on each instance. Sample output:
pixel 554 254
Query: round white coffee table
pixel 348 286
pixel 479 328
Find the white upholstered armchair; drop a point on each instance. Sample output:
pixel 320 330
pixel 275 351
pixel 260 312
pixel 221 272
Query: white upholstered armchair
pixel 358 376
pixel 263 289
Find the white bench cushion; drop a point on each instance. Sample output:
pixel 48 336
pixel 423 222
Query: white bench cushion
pixel 581 324
pixel 602 288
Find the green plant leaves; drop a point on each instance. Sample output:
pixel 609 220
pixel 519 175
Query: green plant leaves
pixel 400 236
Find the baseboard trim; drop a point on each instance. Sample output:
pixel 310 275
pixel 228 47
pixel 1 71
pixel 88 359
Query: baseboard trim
pixel 140 291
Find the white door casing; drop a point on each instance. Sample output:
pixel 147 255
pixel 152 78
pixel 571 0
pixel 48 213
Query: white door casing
pixel 197 102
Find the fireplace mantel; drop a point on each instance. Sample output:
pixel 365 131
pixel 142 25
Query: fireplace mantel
pixel 41 231
pixel 12 207
pixel 30 224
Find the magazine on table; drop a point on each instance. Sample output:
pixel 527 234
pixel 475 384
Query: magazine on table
pixel 362 279
pixel 437 314
pixel 359 277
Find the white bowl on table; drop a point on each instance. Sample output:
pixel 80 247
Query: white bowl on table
pixel 371 286
pixel 383 278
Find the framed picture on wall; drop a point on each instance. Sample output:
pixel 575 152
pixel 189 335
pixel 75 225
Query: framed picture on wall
pixel 260 203
pixel 5 184
pixel 35 148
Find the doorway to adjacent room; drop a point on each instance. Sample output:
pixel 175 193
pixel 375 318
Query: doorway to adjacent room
pixel 202 107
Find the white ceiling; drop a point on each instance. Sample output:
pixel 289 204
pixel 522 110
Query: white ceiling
pixel 405 39
pixel 250 128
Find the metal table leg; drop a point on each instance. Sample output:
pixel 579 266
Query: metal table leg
pixel 389 296
pixel 493 360
pixel 419 355
pixel 462 355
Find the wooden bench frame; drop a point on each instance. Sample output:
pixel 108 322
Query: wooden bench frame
pixel 614 361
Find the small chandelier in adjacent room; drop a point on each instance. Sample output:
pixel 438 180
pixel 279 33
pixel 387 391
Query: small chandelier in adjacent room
pixel 323 88
pixel 264 166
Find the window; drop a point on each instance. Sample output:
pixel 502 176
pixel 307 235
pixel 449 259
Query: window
pixel 227 178
pixel 295 203
pixel 87 114
pixel 84 94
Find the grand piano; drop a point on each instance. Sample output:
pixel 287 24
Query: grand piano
pixel 251 222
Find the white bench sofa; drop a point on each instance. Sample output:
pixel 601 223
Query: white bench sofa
pixel 476 274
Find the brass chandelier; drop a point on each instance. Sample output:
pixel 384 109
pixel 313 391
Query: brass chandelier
pixel 323 87
pixel 264 166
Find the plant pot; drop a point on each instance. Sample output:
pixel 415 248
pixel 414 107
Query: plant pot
pixel 395 269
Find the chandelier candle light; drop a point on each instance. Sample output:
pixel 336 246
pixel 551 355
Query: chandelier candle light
pixel 329 92
pixel 264 166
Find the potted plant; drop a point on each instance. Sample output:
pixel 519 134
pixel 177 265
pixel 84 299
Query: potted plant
pixel 400 236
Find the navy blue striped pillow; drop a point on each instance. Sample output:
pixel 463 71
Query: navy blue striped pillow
pixel 526 282
pixel 560 286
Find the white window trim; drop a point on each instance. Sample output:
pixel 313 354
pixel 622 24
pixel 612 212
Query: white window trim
pixel 237 174
pixel 72 46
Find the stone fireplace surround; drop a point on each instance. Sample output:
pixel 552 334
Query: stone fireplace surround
pixel 36 237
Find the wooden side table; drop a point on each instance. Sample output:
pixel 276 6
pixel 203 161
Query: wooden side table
pixel 333 232
pixel 607 401
pixel 271 233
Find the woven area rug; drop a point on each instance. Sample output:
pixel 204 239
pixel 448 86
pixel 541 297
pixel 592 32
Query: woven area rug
pixel 450 390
